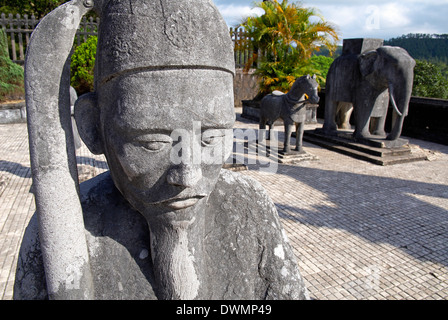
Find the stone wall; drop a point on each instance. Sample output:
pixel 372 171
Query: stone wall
pixel 245 86
pixel 12 112
pixel 427 120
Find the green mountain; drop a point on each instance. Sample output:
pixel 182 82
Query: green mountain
pixel 429 47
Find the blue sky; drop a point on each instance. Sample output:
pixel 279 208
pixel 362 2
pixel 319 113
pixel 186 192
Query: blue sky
pixel 383 19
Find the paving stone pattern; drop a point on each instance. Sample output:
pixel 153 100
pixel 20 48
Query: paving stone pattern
pixel 360 231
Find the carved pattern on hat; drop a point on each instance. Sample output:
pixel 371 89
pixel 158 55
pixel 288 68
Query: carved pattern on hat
pixel 178 29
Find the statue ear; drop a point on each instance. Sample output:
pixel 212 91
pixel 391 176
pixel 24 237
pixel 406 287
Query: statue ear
pixel 366 63
pixel 314 76
pixel 87 116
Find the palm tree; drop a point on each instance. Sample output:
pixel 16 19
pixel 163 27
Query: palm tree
pixel 283 40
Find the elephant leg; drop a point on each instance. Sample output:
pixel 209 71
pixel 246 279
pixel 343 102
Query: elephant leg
pixel 362 116
pixel 330 127
pixel 344 113
pixel 397 126
pixel 299 136
pixel 377 126
pixel 287 140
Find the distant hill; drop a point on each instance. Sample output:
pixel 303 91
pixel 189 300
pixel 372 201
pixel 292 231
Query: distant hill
pixel 430 47
pixel 325 52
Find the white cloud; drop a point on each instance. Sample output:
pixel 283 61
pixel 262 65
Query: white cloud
pixel 394 15
pixel 234 14
pixel 356 19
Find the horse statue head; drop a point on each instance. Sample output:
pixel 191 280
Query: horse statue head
pixel 304 90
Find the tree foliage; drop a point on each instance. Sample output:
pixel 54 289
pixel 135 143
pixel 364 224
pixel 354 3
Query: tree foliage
pixel 431 47
pixel 11 74
pixel 429 81
pixel 322 64
pixel 39 8
pixel 82 66
pixel 283 41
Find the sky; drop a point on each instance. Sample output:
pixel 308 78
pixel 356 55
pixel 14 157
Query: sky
pixel 382 19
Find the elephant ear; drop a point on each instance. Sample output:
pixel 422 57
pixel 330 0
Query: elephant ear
pixel 366 63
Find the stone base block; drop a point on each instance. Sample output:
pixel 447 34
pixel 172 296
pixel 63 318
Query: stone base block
pixel 375 150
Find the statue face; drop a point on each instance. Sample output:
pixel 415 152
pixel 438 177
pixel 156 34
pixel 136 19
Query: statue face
pixel 166 135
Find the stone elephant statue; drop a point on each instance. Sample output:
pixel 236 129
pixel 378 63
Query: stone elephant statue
pixel 369 81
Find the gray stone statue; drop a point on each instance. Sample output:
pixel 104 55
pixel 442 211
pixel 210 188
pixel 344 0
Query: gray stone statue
pixel 367 76
pixel 164 223
pixel 291 108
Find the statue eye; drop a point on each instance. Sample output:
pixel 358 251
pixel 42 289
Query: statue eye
pixel 211 138
pixel 154 143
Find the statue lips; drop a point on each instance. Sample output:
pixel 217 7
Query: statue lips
pixel 182 202
pixel 179 202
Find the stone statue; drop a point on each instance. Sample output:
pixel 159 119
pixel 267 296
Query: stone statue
pixel 366 77
pixel 291 108
pixel 161 224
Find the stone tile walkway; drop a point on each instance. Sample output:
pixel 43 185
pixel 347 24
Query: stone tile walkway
pixel 359 231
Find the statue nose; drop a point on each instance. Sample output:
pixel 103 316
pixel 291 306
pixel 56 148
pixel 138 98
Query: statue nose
pixel 184 175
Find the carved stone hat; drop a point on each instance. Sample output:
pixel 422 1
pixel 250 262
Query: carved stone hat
pixel 145 35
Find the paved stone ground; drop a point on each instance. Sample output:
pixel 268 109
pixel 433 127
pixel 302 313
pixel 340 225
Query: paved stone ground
pixel 360 231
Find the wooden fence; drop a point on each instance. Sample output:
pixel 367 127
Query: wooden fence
pixel 19 29
pixel 243 53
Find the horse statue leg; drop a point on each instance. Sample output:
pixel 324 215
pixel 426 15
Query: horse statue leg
pixel 287 140
pixel 262 126
pixel 299 136
pixel 271 127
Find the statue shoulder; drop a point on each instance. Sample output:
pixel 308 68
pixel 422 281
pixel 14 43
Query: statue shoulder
pixel 245 188
pixel 242 196
pixel 246 224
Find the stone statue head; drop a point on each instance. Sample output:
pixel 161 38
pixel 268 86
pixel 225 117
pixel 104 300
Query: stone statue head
pixel 163 94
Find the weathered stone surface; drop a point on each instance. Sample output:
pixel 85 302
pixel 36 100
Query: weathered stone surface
pixel 291 108
pixel 366 77
pixel 12 112
pixel 166 222
pixel 246 255
pixel 52 152
pixel 180 34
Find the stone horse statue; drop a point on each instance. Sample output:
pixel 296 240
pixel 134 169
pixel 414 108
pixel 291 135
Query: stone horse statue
pixel 291 108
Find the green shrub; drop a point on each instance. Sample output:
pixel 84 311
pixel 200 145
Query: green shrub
pixel 322 64
pixel 82 65
pixel 11 74
pixel 429 81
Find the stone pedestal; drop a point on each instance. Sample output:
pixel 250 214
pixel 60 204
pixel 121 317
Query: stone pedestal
pixel 375 150
pixel 292 157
